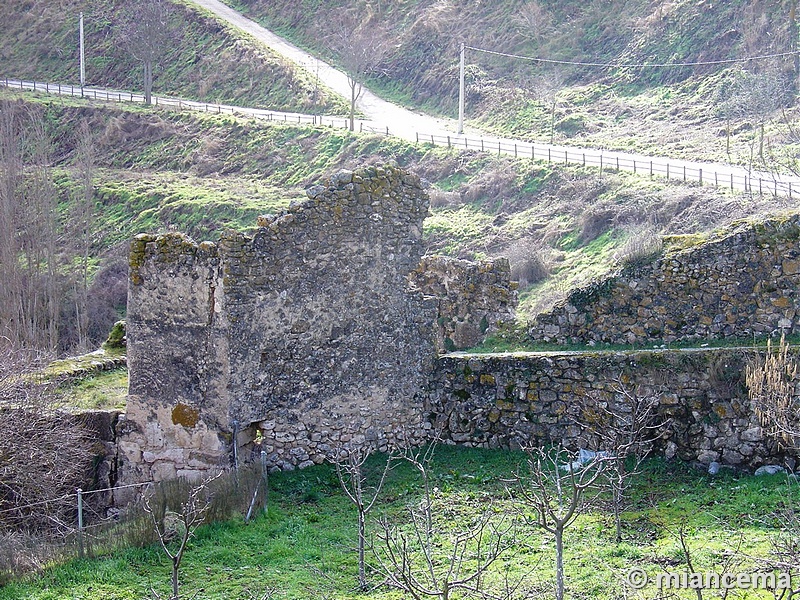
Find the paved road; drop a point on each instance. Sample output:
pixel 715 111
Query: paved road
pixel 415 126
pixel 404 123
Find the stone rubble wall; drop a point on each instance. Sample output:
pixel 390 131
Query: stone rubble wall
pixel 516 401
pixel 296 340
pixel 738 284
pixel 474 298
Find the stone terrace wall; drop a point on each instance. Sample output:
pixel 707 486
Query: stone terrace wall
pixel 296 340
pixel 738 284
pixel 502 401
pixel 474 298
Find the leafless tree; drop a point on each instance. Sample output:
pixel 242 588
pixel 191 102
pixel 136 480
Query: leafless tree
pixel 29 261
pixel 626 426
pixel 146 34
pixel 44 452
pixel 82 224
pixel 360 45
pixel 426 562
pixel 546 89
pixel 534 20
pixel 350 470
pixel 756 97
pixel 557 493
pixel 175 529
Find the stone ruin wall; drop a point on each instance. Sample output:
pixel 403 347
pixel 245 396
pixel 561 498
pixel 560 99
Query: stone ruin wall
pixel 319 331
pixel 474 298
pixel 738 284
pixel 513 401
pixel 305 334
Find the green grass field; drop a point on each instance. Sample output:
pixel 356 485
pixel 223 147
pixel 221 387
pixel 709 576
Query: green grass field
pixel 303 546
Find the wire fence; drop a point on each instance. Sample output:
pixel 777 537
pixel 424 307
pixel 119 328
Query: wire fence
pixel 721 176
pixel 735 179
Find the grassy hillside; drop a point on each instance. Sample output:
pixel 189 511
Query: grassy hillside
pixel 205 61
pixel 159 170
pixel 676 111
pixel 303 547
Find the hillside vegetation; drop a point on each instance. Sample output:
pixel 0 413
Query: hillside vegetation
pixel 678 111
pixel 205 60
pixel 303 547
pixel 159 170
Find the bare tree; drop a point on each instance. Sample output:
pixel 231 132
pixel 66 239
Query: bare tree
pixel 534 20
pixel 175 529
pixel 546 89
pixel 82 224
pixel 559 498
pixel 29 261
pixel 425 562
pixel 146 34
pixel 353 479
pixel 626 429
pixel 44 452
pixel 360 46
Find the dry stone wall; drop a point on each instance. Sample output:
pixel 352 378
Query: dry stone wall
pixel 474 298
pixel 294 341
pixel 740 283
pixel 513 401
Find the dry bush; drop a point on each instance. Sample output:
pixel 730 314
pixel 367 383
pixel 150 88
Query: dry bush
pixel 230 494
pixel 595 221
pixel 494 183
pixel 44 453
pixel 642 246
pixel 531 261
pixel 771 381
pixel 442 199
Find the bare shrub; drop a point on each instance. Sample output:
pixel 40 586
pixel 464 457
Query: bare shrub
pixel 441 199
pixel 771 381
pixel 530 260
pixel 595 221
pixel 641 247
pixel 496 182
pixel 44 453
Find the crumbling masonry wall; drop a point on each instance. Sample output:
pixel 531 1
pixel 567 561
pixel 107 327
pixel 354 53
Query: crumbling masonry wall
pixel 474 298
pixel 739 283
pixel 295 340
pixel 520 400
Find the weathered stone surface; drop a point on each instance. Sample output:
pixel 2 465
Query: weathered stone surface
pixel 741 282
pixel 474 298
pixel 706 414
pixel 306 332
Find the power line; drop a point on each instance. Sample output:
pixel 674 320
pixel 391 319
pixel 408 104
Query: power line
pixel 633 65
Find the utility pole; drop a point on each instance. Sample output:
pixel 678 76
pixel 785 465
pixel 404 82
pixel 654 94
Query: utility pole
pixel 461 77
pixel 83 61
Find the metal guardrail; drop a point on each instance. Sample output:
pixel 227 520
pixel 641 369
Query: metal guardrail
pixel 733 178
pixel 220 109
